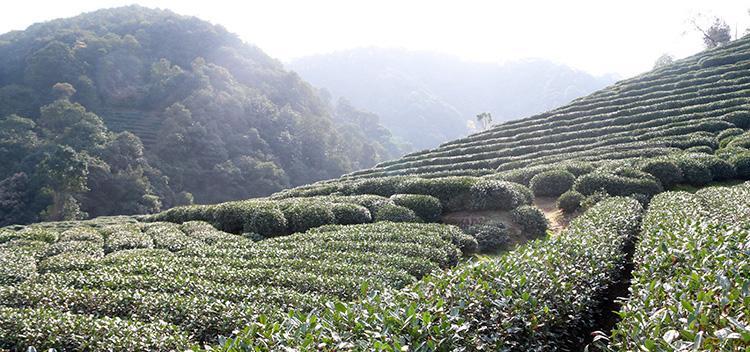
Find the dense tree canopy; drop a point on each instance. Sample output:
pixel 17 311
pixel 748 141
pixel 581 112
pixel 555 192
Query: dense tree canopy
pixel 144 109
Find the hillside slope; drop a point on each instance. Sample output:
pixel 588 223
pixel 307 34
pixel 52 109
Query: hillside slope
pixel 675 107
pixel 366 262
pixel 218 119
pixel 427 99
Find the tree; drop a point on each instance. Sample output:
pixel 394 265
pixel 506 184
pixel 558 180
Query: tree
pixel 664 60
pixel 485 119
pixel 67 123
pixel 63 173
pixel 716 34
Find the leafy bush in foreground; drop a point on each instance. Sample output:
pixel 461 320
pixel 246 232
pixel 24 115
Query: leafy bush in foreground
pixel 690 285
pixel 520 301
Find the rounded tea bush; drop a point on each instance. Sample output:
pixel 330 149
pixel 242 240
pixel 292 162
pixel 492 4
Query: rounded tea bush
pixel 428 208
pixel 741 163
pixel 266 221
pixel 666 171
pixel 552 183
pixel 497 195
pixel 350 214
pixel 621 182
pixel 302 216
pixel 532 221
pixel 695 171
pixel 570 201
pixel 395 213
pixel 491 237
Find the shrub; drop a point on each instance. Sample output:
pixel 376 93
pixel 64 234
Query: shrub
pixel 741 163
pixel 15 266
pixel 695 171
pixel 428 208
pixel 265 220
pixel 741 141
pixel 666 171
pixel 720 169
pixel 703 149
pixel 122 238
pixel 395 213
pixel 531 219
pixel 385 186
pixel 31 233
pixel 304 215
pixel 349 214
pixel 622 182
pixel 496 195
pixel 740 119
pixel 570 201
pixel 443 188
pixel 490 237
pixel 593 199
pixel 552 183
pixel 724 136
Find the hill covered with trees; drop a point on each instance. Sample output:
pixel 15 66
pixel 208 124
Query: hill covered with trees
pixel 152 109
pixel 426 99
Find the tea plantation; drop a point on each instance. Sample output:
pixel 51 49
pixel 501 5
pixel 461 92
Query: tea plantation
pixel 651 172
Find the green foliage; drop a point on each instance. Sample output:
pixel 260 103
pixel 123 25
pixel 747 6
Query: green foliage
pixel 491 237
pixel 455 309
pixel 689 290
pixel 666 171
pixel 200 284
pixel 618 182
pixel 304 215
pixel 427 208
pixel 552 183
pixel 570 201
pixel 741 163
pixel 497 195
pixel 532 221
pixel 350 214
pixel 395 213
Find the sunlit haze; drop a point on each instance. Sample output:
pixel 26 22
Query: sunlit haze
pixel 622 37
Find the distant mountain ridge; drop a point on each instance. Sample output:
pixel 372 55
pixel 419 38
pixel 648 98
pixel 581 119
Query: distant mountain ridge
pixel 426 99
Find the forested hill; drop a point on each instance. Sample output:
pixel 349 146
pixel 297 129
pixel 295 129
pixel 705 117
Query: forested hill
pixel 205 116
pixel 428 98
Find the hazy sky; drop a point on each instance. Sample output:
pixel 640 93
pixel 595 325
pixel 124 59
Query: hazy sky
pixel 623 37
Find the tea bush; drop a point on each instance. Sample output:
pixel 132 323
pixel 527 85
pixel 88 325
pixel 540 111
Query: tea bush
pixel 395 213
pixel 497 195
pixel 490 237
pixel 570 201
pixel 552 183
pixel 689 288
pixel 427 208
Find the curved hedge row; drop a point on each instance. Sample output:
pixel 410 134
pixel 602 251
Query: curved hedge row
pixel 690 285
pixel 533 298
pixel 191 283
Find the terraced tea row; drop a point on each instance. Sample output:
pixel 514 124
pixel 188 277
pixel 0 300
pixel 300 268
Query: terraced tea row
pixel 691 286
pixel 162 286
pixel 536 297
pixel 703 95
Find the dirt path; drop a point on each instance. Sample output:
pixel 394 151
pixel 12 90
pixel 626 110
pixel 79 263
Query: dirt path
pixel 558 221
